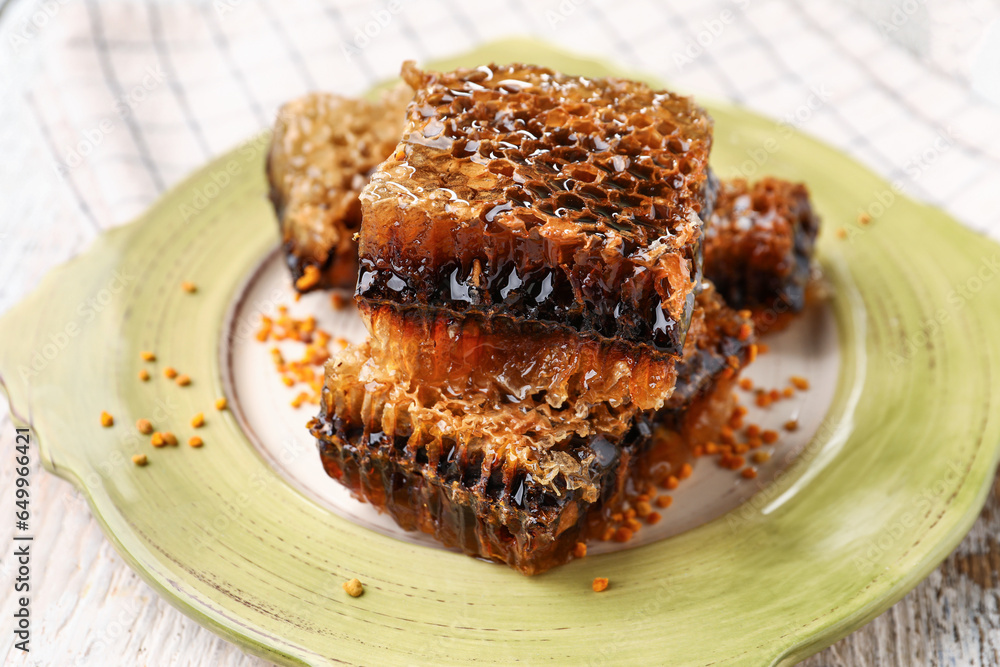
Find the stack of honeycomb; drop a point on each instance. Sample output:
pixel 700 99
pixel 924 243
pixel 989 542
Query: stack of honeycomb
pixel 530 275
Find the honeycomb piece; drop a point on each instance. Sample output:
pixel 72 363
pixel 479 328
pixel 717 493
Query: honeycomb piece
pixel 759 246
pixel 511 479
pixel 322 153
pixel 369 395
pixel 563 200
pixel 501 362
pixel 491 508
pixel 439 386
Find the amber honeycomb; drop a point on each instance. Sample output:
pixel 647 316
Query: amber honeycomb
pixel 568 201
pixel 499 361
pixel 323 150
pixel 497 479
pixel 490 509
pixel 442 386
pixel 759 246
pixel 364 390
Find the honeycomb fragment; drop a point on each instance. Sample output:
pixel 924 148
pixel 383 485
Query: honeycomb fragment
pixel 368 394
pixel 513 480
pixel 564 200
pixel 499 361
pixel 759 246
pixel 488 509
pixel 322 153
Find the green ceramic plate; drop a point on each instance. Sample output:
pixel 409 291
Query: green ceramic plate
pixel 890 482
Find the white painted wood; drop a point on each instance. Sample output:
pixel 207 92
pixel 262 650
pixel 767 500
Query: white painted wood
pixel 88 607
